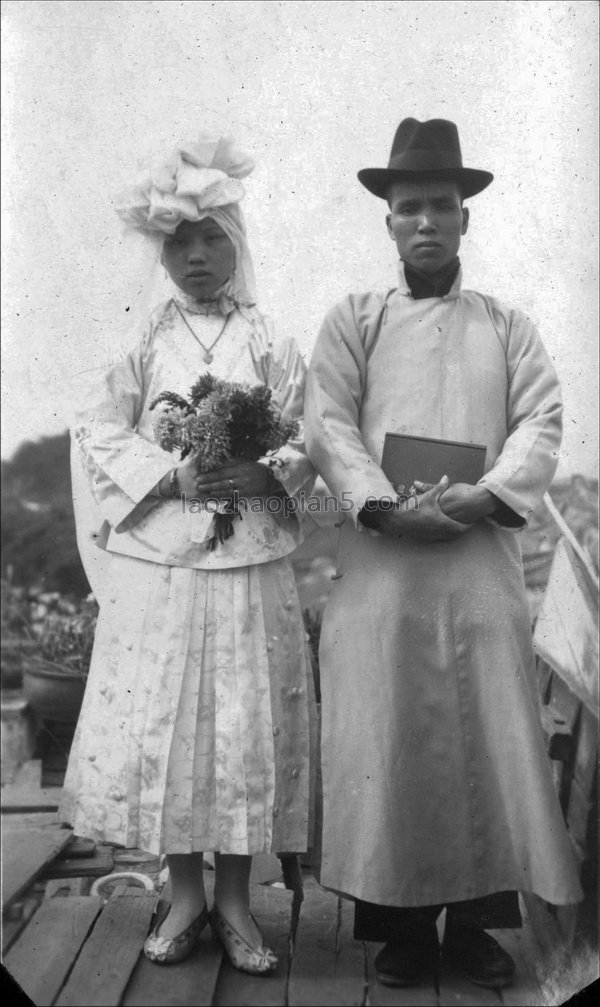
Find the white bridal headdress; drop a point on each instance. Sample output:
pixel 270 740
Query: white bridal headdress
pixel 195 178
pixel 198 180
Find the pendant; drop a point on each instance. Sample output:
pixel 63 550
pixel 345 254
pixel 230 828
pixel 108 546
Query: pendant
pixel 208 358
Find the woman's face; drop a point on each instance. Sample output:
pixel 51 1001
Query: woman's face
pixel 199 257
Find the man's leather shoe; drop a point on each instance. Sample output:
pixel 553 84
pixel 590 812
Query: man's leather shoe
pixel 404 963
pixel 478 956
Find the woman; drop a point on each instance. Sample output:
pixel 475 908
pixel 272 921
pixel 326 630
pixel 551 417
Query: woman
pixel 194 732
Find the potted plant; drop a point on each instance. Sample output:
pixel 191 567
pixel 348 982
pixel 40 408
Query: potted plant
pixel 54 676
pixel 17 639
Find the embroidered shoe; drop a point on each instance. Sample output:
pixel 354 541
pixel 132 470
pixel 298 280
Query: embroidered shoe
pixel 258 961
pixel 169 950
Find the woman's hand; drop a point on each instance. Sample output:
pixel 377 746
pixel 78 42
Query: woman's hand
pixel 186 478
pixel 246 478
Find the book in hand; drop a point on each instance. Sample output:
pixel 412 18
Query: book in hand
pixel 406 459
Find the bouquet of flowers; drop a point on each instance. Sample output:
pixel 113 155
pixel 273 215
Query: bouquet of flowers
pixel 220 422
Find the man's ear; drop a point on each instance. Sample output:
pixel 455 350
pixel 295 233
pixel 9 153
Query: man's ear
pixel 388 221
pixel 465 214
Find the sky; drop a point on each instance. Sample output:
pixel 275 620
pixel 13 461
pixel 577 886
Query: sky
pixel 93 91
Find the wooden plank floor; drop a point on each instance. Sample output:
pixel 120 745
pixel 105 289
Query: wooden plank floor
pixel 26 855
pixel 81 951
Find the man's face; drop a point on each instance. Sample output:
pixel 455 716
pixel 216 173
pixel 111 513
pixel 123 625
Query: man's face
pixel 199 257
pixel 427 221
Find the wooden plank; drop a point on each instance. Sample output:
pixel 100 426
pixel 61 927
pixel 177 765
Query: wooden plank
pixel 22 821
pixel 13 927
pixel 41 958
pixel 90 867
pixel 273 910
pixel 78 847
pixel 108 957
pixel 25 856
pixel 15 799
pixel 319 973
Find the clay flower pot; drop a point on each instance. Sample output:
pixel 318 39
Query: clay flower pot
pixel 52 693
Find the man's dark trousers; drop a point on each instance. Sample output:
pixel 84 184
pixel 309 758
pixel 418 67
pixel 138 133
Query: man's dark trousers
pixel 400 923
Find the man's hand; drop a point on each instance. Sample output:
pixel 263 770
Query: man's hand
pixel 424 520
pixel 466 503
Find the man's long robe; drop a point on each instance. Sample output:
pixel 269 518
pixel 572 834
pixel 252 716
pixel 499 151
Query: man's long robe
pixel 437 786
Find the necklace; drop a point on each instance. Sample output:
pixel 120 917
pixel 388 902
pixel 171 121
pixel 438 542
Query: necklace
pixel 208 355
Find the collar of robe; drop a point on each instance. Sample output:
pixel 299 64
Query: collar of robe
pixel 419 285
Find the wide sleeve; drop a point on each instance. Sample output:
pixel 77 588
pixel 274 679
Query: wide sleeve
pixel 526 465
pixel 122 467
pixel 334 392
pixel 285 374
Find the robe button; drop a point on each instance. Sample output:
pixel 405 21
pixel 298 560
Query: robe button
pixel 269 646
pixel 289 605
pixel 295 773
pixel 275 812
pixel 275 732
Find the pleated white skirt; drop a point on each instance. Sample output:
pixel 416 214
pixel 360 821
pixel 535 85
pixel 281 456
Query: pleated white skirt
pixel 195 731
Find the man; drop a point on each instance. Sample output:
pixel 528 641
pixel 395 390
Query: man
pixel 437 788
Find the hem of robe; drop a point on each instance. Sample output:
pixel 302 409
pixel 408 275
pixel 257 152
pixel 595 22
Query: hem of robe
pixel 552 898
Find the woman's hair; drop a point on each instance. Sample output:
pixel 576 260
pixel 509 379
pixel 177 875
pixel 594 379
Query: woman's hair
pixel 242 285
